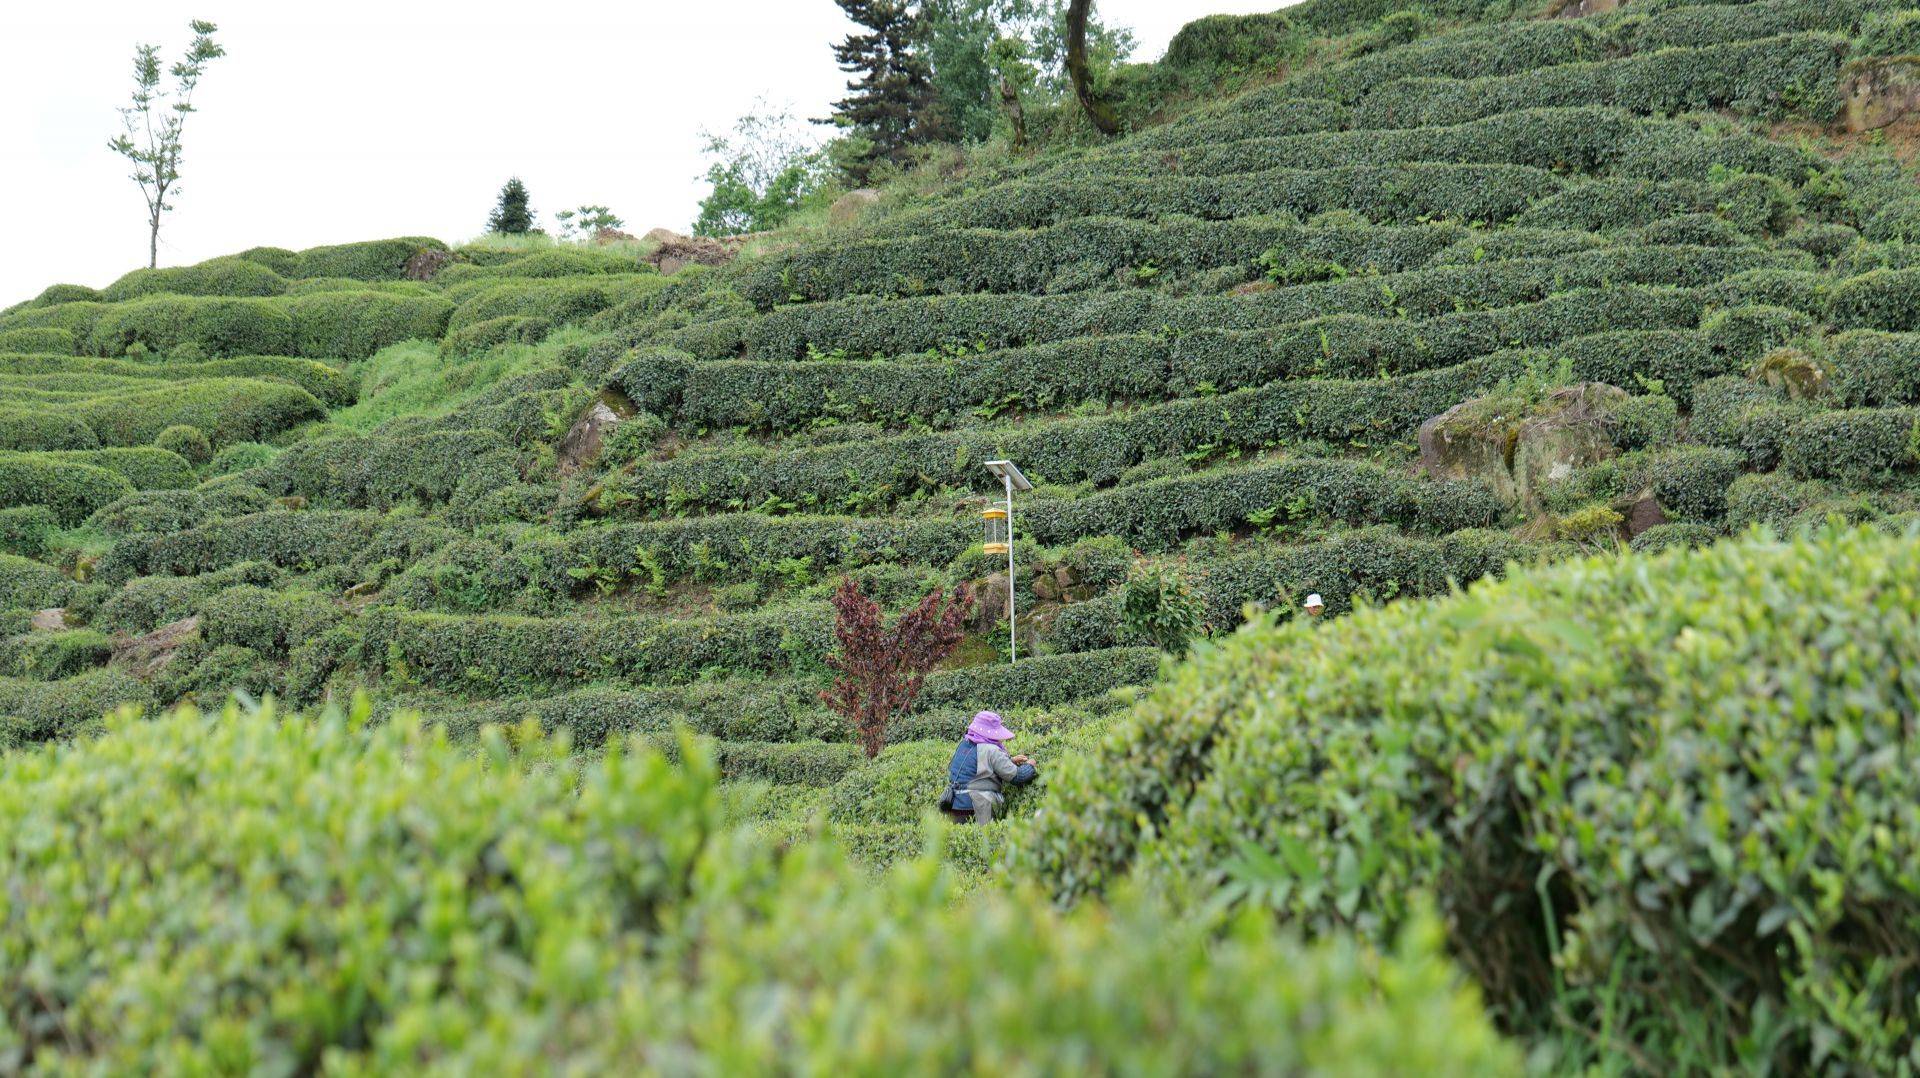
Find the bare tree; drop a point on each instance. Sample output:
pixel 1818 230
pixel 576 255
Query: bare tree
pixel 154 121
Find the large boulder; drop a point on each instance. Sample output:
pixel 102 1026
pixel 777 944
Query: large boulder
pixel 426 264
pixel 1467 442
pixel 1518 447
pixel 1880 92
pixel 853 205
pixel 1568 431
pixel 146 655
pixel 582 442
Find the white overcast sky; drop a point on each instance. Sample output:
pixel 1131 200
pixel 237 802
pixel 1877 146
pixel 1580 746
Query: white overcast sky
pixel 348 119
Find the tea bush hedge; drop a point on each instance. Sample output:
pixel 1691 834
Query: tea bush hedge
pixel 227 410
pixel 44 429
pixel 573 945
pixel 327 383
pixel 214 325
pixel 24 530
pixel 370 260
pixel 354 325
pixel 33 712
pixel 47 340
pixel 899 327
pixel 1754 919
pixel 70 489
pixel 1788 75
pixel 231 276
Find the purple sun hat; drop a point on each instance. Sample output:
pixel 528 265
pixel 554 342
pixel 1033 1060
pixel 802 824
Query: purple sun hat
pixel 987 727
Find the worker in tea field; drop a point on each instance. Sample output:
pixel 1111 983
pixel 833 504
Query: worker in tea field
pixel 981 769
pixel 1315 605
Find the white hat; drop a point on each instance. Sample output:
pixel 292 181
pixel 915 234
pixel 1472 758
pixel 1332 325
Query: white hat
pixel 1314 600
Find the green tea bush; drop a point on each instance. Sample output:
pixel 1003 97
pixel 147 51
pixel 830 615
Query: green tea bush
pixel 383 470
pixel 1871 369
pixel 576 946
pixel 1775 77
pixel 371 260
pixel 871 327
pixel 293 540
pixel 25 530
pixel 354 325
pixel 190 443
pixel 1404 193
pixel 1507 761
pixel 44 429
pixel 227 410
pixel 30 584
pixel 216 326
pixel 71 490
pixel 33 712
pixel 327 383
pixel 507 329
pixel 1079 254
pixel 1689 481
pixel 1668 536
pixel 47 340
pixel 1774 500
pixel 229 276
pixel 1157 514
pixel 1216 44
pixel 1883 299
pixel 558 262
pixel 508 655
pixel 1472 52
pixel 146 467
pixel 1893 34
pixel 173 510
pixel 51 656
pixel 561 301
pixel 1860 445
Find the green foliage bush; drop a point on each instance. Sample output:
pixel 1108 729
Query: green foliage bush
pixel 1893 34
pixel 44 429
pixel 217 326
pixel 1774 77
pixel 227 410
pixel 1506 761
pixel 33 712
pixel 25 530
pixel 29 584
pixel 1882 299
pixel 1859 445
pixel 354 325
pixel 70 489
pixel 42 339
pixel 507 329
pixel 239 457
pixel 372 260
pixel 231 276
pixel 190 443
pixel 51 656
pixel 871 327
pixel 327 383
pixel 561 301
pixel 575 944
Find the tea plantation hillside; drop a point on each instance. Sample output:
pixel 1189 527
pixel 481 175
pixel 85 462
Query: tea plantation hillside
pixel 1372 301
pixel 1457 292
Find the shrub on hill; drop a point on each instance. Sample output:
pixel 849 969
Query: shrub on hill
pixel 1756 920
pixel 70 489
pixel 24 530
pixel 227 410
pixel 28 584
pixel 33 712
pixel 370 260
pixel 41 339
pixel 575 945
pixel 354 325
pixel 232 276
pixel 217 326
pixel 43 428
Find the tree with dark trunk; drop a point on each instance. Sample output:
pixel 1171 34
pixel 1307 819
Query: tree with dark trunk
pixel 880 670
pixel 512 215
pixel 154 121
pixel 892 103
pixel 1097 110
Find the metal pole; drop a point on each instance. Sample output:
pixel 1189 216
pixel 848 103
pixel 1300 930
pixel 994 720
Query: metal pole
pixel 1013 630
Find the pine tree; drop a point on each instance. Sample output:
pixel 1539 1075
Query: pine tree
pixel 512 215
pixel 892 104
